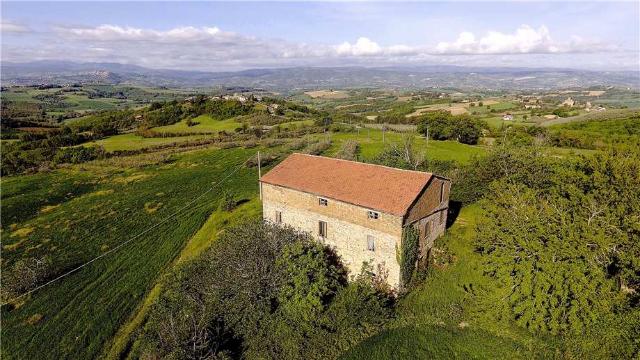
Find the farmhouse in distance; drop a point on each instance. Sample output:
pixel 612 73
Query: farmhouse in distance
pixel 361 210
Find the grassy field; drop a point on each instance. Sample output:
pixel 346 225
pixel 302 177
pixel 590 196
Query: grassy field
pixel 205 124
pixel 371 144
pixel 496 122
pixel 447 315
pixel 208 233
pixel 73 216
pixel 132 141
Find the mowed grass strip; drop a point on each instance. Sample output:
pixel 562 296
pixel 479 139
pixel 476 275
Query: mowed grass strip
pixel 80 313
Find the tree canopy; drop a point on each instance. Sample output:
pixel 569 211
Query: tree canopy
pixel 565 248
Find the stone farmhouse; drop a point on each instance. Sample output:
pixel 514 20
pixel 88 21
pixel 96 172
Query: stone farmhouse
pixel 361 210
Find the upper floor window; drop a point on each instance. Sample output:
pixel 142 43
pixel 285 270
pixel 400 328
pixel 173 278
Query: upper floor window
pixel 371 243
pixel 278 217
pixel 373 214
pixel 323 201
pixel 442 191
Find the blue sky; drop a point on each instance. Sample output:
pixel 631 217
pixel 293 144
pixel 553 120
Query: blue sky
pixel 239 35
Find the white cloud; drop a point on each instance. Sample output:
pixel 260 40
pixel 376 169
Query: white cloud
pixel 366 47
pixel 362 47
pixel 211 48
pixel 118 33
pixel 7 26
pixel 525 40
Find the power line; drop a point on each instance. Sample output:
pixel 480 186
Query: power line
pixel 132 238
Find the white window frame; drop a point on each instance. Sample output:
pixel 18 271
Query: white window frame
pixel 323 201
pixel 373 215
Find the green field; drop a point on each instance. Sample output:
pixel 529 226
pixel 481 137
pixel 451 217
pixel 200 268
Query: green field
pixel 132 141
pixel 204 124
pixel 496 122
pixel 371 144
pixel 74 215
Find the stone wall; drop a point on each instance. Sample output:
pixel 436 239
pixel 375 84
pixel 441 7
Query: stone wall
pixel 430 200
pixel 348 228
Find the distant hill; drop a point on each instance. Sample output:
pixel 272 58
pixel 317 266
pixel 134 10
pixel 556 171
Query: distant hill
pixel 287 79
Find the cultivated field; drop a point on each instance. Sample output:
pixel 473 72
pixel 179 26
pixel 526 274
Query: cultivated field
pixel 327 94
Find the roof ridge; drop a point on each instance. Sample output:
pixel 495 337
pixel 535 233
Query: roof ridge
pixel 364 163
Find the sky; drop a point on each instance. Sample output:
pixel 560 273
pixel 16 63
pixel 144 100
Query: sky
pixel 229 36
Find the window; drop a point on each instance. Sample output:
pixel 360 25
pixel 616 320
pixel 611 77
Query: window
pixel 427 229
pixel 441 192
pixel 278 217
pixel 442 216
pixel 322 228
pixel 371 243
pixel 323 202
pixel 373 214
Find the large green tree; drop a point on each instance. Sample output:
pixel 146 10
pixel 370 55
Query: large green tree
pixel 263 291
pixel 565 250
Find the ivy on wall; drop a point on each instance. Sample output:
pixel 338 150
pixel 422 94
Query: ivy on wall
pixel 409 254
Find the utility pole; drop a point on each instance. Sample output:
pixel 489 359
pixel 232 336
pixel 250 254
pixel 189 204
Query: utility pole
pixel 384 127
pixel 259 175
pixel 427 135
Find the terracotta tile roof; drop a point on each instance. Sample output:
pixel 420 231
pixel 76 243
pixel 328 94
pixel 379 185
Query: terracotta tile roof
pixel 375 187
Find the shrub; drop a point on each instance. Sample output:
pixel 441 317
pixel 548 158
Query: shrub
pixel 349 150
pixel 227 202
pixel 77 155
pixel 25 275
pixel 318 148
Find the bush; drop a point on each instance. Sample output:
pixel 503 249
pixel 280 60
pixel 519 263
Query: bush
pixel 263 291
pixel 318 148
pixel 349 150
pixel 77 155
pixel 228 201
pixel 25 275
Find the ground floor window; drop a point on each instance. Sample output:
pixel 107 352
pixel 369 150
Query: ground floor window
pixel 322 228
pixel 278 217
pixel 371 243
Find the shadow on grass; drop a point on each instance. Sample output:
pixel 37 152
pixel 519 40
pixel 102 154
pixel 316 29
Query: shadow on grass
pixel 454 211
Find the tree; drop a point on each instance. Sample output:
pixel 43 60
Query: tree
pixel 444 126
pixel 562 250
pixel 402 155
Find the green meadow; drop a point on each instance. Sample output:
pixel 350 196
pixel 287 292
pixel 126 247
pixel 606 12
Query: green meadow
pixel 371 143
pixel 202 124
pixel 132 141
pixel 73 215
